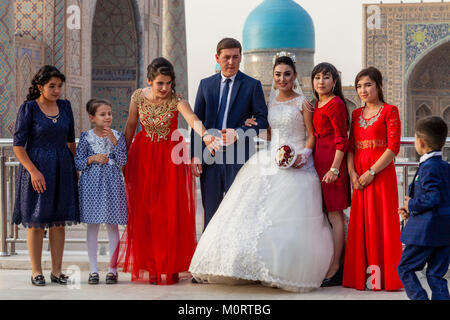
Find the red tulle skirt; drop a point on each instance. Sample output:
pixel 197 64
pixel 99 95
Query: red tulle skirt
pixel 160 239
pixel 373 249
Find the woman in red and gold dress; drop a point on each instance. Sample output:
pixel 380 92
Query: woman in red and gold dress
pixel 330 121
pixel 160 237
pixel 373 243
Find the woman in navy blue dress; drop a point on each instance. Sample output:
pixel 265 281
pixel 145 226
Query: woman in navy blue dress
pixel 46 186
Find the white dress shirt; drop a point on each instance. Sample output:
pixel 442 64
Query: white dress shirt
pixel 427 156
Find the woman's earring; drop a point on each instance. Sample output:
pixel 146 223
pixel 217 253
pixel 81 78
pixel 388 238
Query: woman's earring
pixel 274 87
pixel 295 86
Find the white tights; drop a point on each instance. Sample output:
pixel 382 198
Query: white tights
pixel 92 246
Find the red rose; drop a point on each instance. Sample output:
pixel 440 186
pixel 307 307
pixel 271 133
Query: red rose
pixel 287 149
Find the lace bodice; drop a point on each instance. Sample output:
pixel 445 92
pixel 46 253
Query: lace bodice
pixel 286 122
pixel 102 145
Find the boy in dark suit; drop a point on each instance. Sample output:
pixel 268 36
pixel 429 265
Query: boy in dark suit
pixel 427 232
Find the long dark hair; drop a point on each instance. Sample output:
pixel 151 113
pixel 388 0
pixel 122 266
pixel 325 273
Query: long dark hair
pixel 42 77
pixel 375 75
pixel 161 66
pixel 325 68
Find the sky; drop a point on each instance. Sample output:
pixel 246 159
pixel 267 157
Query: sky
pixel 337 24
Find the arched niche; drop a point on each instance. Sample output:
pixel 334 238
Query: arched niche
pixel 422 112
pixel 115 55
pixel 428 84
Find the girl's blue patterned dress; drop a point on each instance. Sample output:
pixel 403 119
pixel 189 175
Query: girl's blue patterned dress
pixel 101 187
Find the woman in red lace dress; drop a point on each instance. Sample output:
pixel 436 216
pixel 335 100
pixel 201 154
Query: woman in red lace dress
pixel 330 121
pixel 373 243
pixel 160 237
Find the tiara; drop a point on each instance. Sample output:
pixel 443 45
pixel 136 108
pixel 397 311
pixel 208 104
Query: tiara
pixel 284 54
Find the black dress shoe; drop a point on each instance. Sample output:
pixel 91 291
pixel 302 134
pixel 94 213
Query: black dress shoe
pixel 335 280
pixel 111 278
pixel 62 279
pixel 39 280
pixel 93 278
pixel 194 281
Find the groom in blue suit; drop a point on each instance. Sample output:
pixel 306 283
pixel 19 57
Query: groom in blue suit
pixel 224 101
pixel 427 232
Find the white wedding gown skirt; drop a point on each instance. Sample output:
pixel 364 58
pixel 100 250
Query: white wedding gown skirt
pixel 270 226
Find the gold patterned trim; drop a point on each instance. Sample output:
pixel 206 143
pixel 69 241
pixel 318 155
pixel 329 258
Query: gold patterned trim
pixel 367 144
pixel 367 123
pixel 156 118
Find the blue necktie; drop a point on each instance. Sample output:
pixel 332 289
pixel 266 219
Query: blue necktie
pixel 223 104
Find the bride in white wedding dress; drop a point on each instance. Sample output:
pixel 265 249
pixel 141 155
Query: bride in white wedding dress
pixel 270 226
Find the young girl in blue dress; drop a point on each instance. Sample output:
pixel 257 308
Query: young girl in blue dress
pixel 100 154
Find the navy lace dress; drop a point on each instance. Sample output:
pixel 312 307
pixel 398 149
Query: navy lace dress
pixel 46 144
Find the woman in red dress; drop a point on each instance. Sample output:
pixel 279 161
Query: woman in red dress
pixel 330 121
pixel 160 237
pixel 373 244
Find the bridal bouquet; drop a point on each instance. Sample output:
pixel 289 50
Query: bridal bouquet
pixel 285 156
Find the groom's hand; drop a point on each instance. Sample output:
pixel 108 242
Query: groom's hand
pixel 196 167
pixel 229 136
pixel 251 122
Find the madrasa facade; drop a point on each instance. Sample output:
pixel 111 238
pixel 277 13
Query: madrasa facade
pixel 408 42
pixel 102 46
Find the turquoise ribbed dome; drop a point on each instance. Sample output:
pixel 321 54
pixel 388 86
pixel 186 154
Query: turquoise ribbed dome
pixel 278 24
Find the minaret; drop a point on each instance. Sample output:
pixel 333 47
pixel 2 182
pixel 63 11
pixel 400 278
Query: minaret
pixel 174 45
pixel 8 69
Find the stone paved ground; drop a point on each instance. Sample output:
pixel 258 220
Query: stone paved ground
pixel 15 284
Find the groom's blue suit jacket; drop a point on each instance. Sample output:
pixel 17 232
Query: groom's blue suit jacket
pixel 429 207
pixel 246 100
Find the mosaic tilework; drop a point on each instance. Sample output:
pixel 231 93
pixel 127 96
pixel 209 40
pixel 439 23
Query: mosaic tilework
pixel 30 18
pixel 114 74
pixel 59 38
pixel 74 96
pixel 174 41
pixel 174 45
pixel 433 71
pixel 115 56
pixel 114 39
pixel 49 17
pixel 119 96
pixel 29 58
pixel 155 48
pixel 420 37
pixel 407 31
pixel 73 43
pixel 7 69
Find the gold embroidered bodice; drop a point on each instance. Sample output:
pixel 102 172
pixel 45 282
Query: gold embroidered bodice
pixel 156 119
